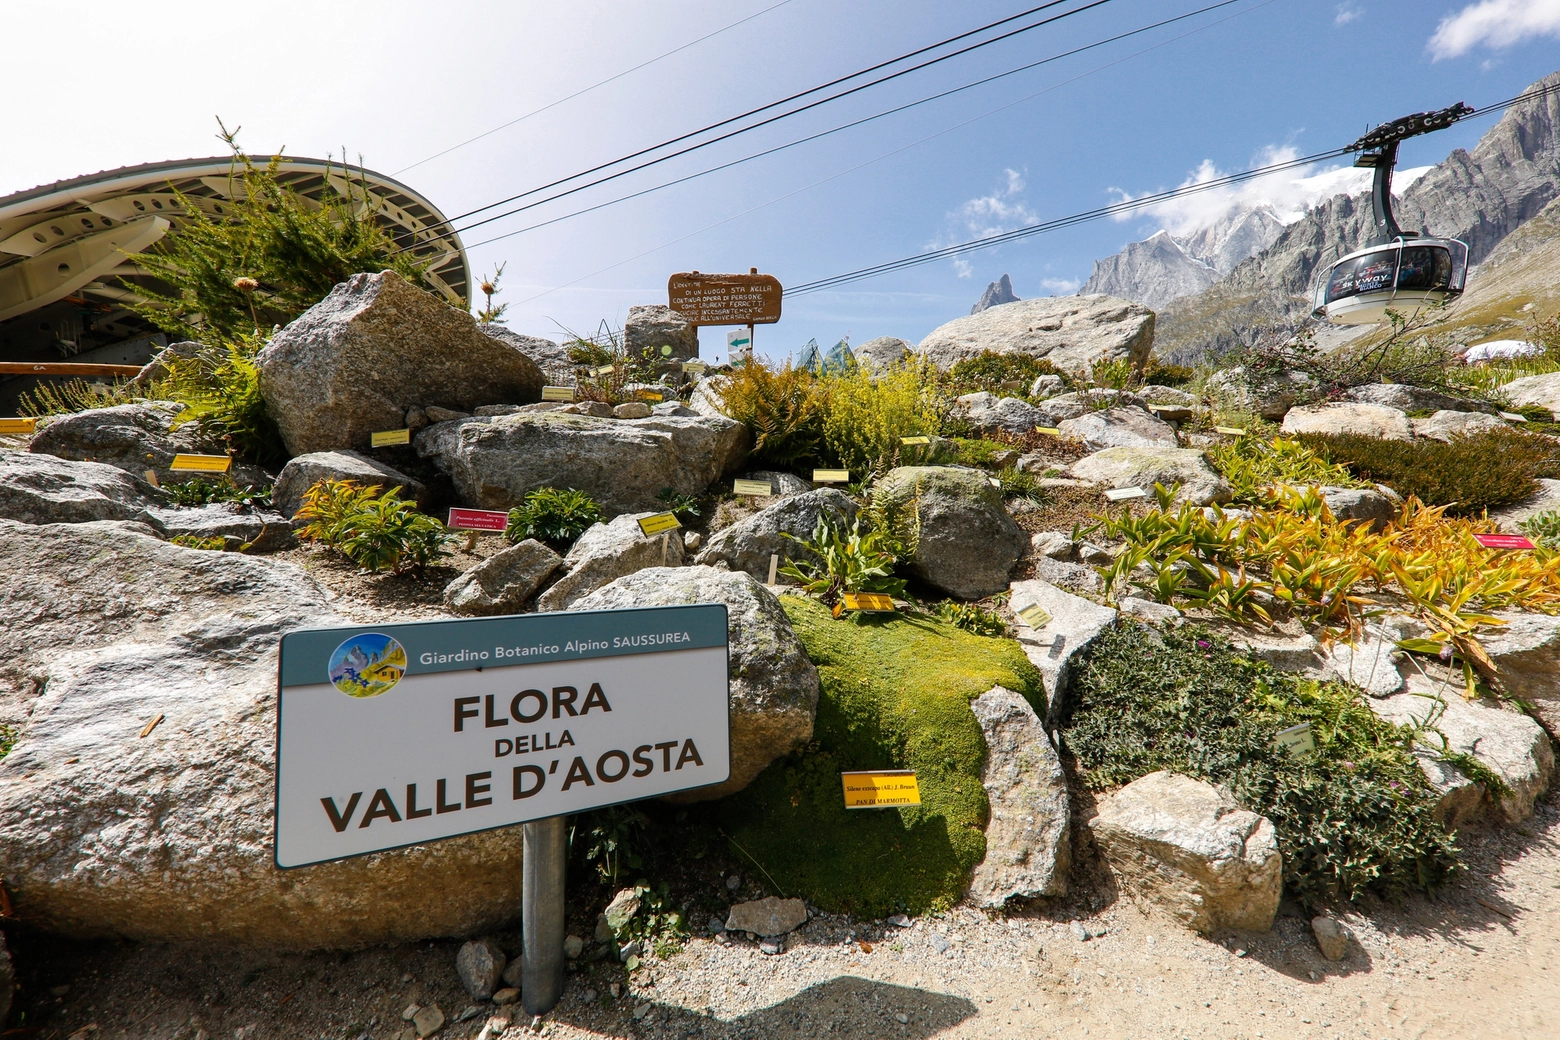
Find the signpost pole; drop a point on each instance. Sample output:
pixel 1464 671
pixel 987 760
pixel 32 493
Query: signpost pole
pixel 541 916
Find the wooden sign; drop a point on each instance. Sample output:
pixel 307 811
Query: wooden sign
pixel 1051 431
pixel 831 476
pixel 201 463
pixel 658 523
pixel 1297 740
pixel 869 602
pixel 558 393
pixel 915 440
pixel 1035 616
pixel 478 520
pixel 753 487
pixel 1504 541
pixel 1231 431
pixel 1122 494
pixel 881 789
pixel 725 299
pixel 389 438
pixel 17 426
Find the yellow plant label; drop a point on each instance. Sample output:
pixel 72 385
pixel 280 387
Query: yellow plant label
pixel 831 476
pixel 659 522
pixel 883 789
pixel 558 393
pixel 1048 430
pixel 1231 431
pixel 604 370
pixel 915 440
pixel 753 487
pixel 651 395
pixel 14 426
pixel 1122 494
pixel 694 368
pixel 386 438
pixel 869 601
pixel 1297 740
pixel 201 463
pixel 1035 616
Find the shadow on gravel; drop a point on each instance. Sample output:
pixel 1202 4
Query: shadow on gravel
pixel 846 1007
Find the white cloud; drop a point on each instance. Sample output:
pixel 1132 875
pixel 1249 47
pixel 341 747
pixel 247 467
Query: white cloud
pixel 1496 24
pixel 1348 13
pixel 987 216
pixel 1061 286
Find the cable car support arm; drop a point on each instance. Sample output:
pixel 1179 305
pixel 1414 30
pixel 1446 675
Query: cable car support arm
pixel 1378 149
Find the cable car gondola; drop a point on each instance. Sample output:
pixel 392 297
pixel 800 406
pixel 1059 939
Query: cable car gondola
pixel 1401 270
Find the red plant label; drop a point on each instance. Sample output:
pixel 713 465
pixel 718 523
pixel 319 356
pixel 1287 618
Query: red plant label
pixel 1504 541
pixel 478 520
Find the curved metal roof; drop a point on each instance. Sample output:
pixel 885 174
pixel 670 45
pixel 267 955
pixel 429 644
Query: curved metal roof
pixel 70 239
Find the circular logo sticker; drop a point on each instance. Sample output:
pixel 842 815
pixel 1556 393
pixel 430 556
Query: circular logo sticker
pixel 367 665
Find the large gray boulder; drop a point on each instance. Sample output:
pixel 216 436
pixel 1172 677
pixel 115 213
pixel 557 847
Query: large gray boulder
pixel 968 541
pixel 1445 424
pixel 1545 499
pixel 879 354
pixel 1082 402
pixel 504 582
pixel 353 364
pixel 1542 390
pixel 239 526
pixel 43 489
pixel 650 327
pixel 748 544
pixel 622 463
pixel 1526 652
pixel 1119 428
pixel 1028 844
pixel 1407 398
pixel 304 471
pixel 1233 389
pixel 1336 417
pixel 1183 844
pixel 168 836
pixel 774 687
pixel 1057 646
pixel 136 438
pixel 1186 469
pixel 986 411
pixel 605 553
pixel 552 358
pixel 1072 332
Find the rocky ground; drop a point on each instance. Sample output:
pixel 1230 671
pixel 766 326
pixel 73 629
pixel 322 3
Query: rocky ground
pixel 1480 961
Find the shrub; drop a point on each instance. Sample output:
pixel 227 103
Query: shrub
pixel 972 618
pixel 199 491
pixel 373 530
pixel 1468 475
pixel 1117 374
pixel 1357 817
pixel 8 738
pixel 1403 353
pixel 554 516
pixel 780 407
pixel 841 559
pixel 865 415
pixel 1019 485
pixel 989 370
pixel 220 390
pixel 1252 465
pixel 689 508
pixel 1159 374
pixel 1544 528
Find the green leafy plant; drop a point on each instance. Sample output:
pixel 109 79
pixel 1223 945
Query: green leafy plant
pixel 53 397
pixel 779 406
pixel 220 390
pixel 266 257
pixel 840 559
pixel 658 925
pixel 554 516
pixel 1469 474
pixel 375 531
pixel 1116 374
pixel 195 541
pixel 866 414
pixel 611 841
pixel 1359 816
pixel 687 507
pixel 1017 485
pixel 1252 465
pixel 199 491
pixel 8 738
pixel 1543 528
pixel 1007 375
pixel 972 618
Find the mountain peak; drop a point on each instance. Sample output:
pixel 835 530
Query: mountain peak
pixel 996 294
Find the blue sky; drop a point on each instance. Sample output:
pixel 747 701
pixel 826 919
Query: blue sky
pixel 398 82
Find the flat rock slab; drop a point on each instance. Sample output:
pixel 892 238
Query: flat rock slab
pixel 1028 840
pixel 43 489
pixel 504 582
pixel 1129 427
pixel 624 464
pixel 1445 425
pixel 1542 390
pixel 767 917
pixel 605 553
pixel 304 471
pixel 1183 844
pixel 1526 650
pixel 1407 398
pixel 986 411
pixel 1199 483
pixel 1072 332
pixel 1546 499
pixel 1055 646
pixel 1335 417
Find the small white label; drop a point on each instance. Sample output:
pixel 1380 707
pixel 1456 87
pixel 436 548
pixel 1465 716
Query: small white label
pixel 1122 494
pixel 1035 616
pixel 1297 740
pixel 1513 417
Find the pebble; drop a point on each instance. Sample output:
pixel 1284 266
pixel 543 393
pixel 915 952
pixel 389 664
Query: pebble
pixel 468 1012
pixel 902 1018
pixel 411 1010
pixel 716 925
pixel 589 996
pixel 1080 932
pixel 772 946
pixel 428 1020
pixel 507 995
pixel 1332 938
pixel 900 921
pixel 617 990
pixel 641 1011
pixel 573 946
pixel 940 944
pixel 734 882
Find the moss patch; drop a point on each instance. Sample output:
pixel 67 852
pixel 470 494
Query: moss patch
pixel 895 695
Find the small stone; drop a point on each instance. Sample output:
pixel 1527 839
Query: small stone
pixel 693 541
pixel 603 929
pixel 573 946
pixel 428 1020
pixel 617 990
pixel 467 1013
pixel 902 1018
pixel 410 1012
pixel 716 926
pixel 623 908
pixel 631 410
pixel 480 965
pixel 767 917
pixel 940 944
pixel 1332 938
pixel 1080 932
pixel 771 946
pixel 900 921
pixel 1052 544
pixel 507 995
pixel 734 882
pixel 631 949
pixel 641 1011
pixel 512 973
pixel 589 996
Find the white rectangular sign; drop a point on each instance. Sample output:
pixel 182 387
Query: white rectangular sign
pixel 402 734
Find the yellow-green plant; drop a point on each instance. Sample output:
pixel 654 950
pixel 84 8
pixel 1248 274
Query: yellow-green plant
pixel 220 390
pixel 1253 465
pixel 375 531
pixel 865 415
pixel 780 407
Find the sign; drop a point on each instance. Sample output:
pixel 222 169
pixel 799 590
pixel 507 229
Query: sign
pixel 658 523
pixel 1035 616
pixel 694 368
pixel 753 487
pixel 869 602
pixel 1051 430
pixel 1504 541
pixel 1509 416
pixel 604 370
pixel 881 789
pixel 725 299
pixel 15 426
pixel 1297 740
pixel 915 440
pixel 831 476
pixel 201 463
pixel 1231 431
pixel 1122 494
pixel 651 395
pixel 401 734
pixel 558 393
pixel 739 342
pixel 478 520
pixel 385 438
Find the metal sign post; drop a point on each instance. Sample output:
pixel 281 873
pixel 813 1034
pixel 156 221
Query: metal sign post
pixel 403 734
